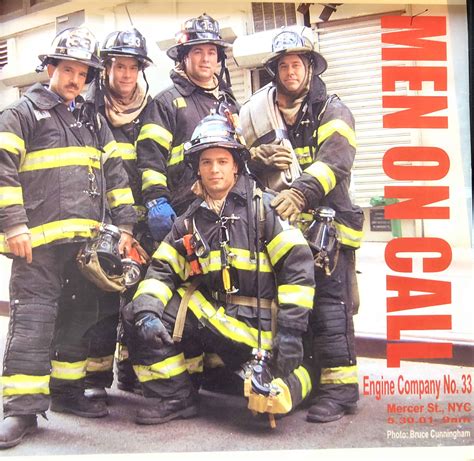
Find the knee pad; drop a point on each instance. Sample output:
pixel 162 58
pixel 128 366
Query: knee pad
pixel 333 334
pixel 31 331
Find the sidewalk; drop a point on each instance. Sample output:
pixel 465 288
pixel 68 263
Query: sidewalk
pixel 372 317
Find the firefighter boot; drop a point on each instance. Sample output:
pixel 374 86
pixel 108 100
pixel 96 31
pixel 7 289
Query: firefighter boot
pixel 326 410
pixel 14 428
pixel 78 404
pixel 159 411
pixel 96 394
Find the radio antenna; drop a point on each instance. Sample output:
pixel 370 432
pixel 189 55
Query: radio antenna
pixel 129 17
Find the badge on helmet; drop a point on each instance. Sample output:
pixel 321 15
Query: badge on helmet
pixel 128 43
pixel 74 44
pixel 200 30
pixel 215 130
pixel 297 40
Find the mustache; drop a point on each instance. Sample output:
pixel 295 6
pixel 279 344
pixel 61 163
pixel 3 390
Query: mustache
pixel 72 86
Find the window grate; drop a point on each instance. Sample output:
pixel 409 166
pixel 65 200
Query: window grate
pixel 267 16
pixel 3 54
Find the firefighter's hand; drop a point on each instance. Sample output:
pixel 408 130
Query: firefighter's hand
pixel 126 243
pixel 273 155
pixel 151 330
pixel 160 218
pixel 20 245
pixel 289 203
pixel 144 256
pixel 287 351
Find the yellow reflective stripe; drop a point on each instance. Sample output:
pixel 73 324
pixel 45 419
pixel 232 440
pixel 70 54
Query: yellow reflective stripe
pixel 156 133
pixel 339 126
pixel 195 364
pixel 25 384
pixel 57 230
pixel 141 212
pixel 11 196
pixel 154 288
pixel 170 255
pixel 118 197
pixel 179 103
pixel 61 157
pixel 226 325
pixel 305 380
pixel 303 154
pixel 339 375
pixel 121 352
pixel 153 178
pixel 12 143
pixel 177 155
pixel 212 262
pixel 98 364
pixel 166 369
pixel 126 151
pixel 323 173
pixel 111 151
pixel 68 370
pixel 213 360
pixel 296 294
pixel 241 259
pixel 349 236
pixel 238 258
pixel 283 243
pixel 110 147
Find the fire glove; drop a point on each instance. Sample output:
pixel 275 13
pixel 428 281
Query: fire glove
pixel 160 218
pixel 287 351
pixel 151 330
pixel 289 203
pixel 273 155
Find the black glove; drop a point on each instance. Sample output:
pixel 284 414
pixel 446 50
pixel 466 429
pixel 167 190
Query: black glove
pixel 151 330
pixel 287 351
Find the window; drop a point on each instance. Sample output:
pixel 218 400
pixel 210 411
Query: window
pixel 10 9
pixel 267 16
pixel 3 54
pixel 260 77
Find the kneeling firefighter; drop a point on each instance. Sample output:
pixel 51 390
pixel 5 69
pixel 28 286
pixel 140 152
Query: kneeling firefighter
pixel 228 268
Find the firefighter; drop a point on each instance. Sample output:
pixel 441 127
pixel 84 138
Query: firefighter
pixel 59 172
pixel 172 116
pixel 122 99
pixel 215 287
pixel 320 129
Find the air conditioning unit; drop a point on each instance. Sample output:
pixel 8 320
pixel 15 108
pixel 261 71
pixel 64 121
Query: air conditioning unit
pixel 250 50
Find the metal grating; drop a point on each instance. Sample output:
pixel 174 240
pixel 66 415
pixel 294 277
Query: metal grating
pixel 3 54
pixel 268 16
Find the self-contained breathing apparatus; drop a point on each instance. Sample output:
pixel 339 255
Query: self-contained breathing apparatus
pixel 322 238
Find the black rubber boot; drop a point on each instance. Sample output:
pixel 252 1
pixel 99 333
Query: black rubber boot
pixel 97 394
pixel 159 411
pixel 325 411
pixel 14 428
pixel 79 405
pixel 133 388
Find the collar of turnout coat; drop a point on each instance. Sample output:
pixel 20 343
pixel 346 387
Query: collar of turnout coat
pixel 186 87
pixel 45 99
